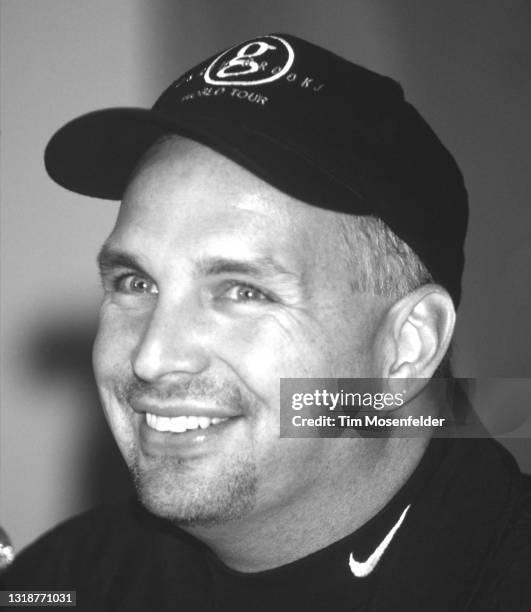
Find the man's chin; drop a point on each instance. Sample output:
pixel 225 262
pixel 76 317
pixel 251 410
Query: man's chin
pixel 191 500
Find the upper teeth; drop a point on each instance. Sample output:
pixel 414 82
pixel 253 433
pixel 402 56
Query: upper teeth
pixel 181 423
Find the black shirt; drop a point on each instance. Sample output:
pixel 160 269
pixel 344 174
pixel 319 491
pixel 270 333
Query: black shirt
pixel 464 544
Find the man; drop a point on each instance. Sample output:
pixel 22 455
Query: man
pixel 285 215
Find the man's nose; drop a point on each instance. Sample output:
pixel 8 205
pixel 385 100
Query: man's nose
pixel 172 343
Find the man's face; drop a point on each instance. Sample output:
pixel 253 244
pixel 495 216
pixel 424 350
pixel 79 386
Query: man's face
pixel 216 286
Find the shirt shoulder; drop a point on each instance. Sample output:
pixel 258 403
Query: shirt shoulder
pixel 505 585
pixel 72 546
pixel 114 557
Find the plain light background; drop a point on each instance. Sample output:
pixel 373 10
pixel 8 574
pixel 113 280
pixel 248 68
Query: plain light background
pixel 466 67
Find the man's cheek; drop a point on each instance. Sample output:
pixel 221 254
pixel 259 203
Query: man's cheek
pixel 111 359
pixel 254 343
pixel 261 358
pixel 116 342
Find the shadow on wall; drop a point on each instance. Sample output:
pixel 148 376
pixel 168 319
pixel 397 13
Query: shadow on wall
pixel 61 353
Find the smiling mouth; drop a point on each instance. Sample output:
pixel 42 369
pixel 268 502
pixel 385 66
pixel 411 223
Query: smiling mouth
pixel 181 424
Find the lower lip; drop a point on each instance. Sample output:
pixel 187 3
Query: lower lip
pixel 157 443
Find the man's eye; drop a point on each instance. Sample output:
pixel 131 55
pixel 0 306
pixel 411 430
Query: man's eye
pixel 132 283
pixel 245 293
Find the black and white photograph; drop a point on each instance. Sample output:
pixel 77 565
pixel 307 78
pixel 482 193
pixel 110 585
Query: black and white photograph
pixel 265 305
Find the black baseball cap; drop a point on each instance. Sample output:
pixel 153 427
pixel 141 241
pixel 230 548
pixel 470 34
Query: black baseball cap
pixel 310 123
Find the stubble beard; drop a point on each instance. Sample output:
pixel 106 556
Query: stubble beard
pixel 179 490
pixel 173 490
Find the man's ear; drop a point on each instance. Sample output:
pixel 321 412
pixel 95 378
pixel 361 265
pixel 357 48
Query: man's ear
pixel 416 333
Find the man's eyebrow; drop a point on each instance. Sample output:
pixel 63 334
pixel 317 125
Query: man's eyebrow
pixel 109 258
pixel 260 267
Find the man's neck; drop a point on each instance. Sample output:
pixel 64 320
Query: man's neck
pixel 367 476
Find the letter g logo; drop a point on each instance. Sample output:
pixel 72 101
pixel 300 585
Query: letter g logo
pixel 244 58
pixel 255 62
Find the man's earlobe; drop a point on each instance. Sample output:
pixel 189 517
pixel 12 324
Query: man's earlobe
pixel 419 329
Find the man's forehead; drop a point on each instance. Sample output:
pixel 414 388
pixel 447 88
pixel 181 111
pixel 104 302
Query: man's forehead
pixel 181 176
pixel 177 162
pixel 187 203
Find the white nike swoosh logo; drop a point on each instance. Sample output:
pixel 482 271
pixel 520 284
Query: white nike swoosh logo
pixel 360 569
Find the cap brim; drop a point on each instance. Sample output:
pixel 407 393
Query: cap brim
pixel 96 153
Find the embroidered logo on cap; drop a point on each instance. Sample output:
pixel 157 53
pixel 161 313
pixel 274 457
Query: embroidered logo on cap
pixel 255 62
